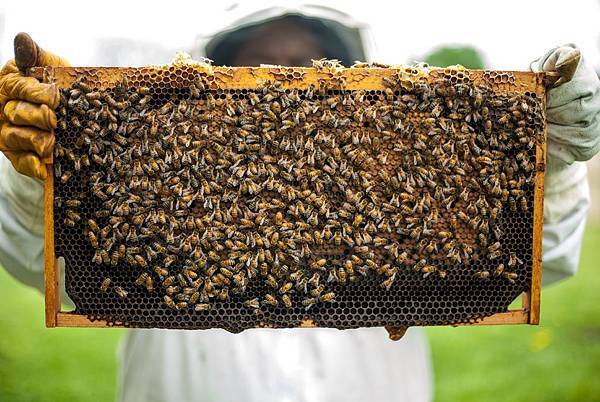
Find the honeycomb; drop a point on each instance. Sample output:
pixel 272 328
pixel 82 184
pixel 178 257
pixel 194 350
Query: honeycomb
pixel 186 197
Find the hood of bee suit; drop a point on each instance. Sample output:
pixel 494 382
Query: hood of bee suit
pixel 340 35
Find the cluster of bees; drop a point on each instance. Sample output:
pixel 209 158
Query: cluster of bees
pixel 275 197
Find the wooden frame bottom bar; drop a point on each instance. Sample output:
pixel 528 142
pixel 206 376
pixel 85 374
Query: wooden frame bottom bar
pixel 73 320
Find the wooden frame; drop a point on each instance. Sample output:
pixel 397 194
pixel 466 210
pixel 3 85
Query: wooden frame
pixel 244 77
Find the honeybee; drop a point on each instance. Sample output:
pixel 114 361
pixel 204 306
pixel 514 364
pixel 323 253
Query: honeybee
pixel 402 258
pixel 327 297
pixel 74 203
pixel 169 302
pixel 122 293
pixel 104 232
pixel 444 234
pixel 73 216
pixel 194 297
pixel 337 238
pixel 523 204
pixel 511 276
pixel 97 258
pixel 271 281
pixel 482 239
pixel 105 284
pixel 309 302
pixel 428 269
pixel 488 126
pixel 253 98
pixel 252 303
pixel 302 285
pixel 105 257
pixel 141 261
pixel 319 264
pixel 92 239
pixel 202 307
pixel 513 260
pixel 314 280
pixel 287 301
pixel 317 290
pixel 223 294
pixel 494 247
pixel 431 247
pixel 497 232
pixel 420 264
pixel 482 274
pixel 171 290
pixel 494 213
pixel 416 233
pixel 270 300
pixel 168 260
pixel 141 279
pixel 513 204
pixel 387 284
pixel 286 288
pixel 93 225
pixel 278 218
pixel 357 220
pixel 494 255
pixel 342 275
pixel 169 281
pixel 114 258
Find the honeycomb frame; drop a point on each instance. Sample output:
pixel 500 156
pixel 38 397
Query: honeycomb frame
pixel 301 78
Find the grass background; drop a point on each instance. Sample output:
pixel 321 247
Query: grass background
pixel 557 361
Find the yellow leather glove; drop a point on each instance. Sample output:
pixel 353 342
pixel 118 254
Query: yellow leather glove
pixel 26 108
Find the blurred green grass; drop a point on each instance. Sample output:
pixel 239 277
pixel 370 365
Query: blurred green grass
pixel 557 361
pixel 60 364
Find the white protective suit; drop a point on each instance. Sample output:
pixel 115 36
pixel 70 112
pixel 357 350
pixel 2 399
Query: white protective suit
pixel 318 364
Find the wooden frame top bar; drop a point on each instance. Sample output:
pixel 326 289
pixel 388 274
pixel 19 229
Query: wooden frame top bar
pixel 251 77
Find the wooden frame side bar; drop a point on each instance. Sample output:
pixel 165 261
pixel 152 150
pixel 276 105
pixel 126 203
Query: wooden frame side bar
pixel 51 265
pixel 538 221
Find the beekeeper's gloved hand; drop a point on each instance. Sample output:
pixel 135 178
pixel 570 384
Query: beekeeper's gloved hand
pixel 26 109
pixel 573 108
pixel 573 114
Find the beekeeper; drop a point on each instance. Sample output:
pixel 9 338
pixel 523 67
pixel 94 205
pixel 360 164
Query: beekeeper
pixel 285 365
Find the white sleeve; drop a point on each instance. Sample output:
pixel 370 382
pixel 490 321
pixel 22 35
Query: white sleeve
pixel 566 204
pixel 21 225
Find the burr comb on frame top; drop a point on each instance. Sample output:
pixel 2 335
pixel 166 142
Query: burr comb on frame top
pixel 190 196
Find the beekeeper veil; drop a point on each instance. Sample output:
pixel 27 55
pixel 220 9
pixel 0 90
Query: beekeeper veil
pixel 339 35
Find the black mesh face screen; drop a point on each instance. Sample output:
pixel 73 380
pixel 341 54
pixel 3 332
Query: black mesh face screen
pixel 182 205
